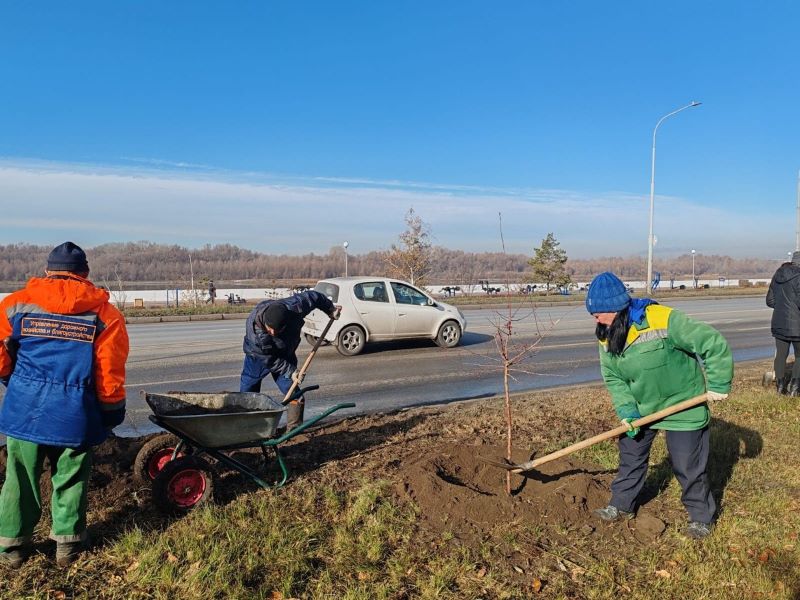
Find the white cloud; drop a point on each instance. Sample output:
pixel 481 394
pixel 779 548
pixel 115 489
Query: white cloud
pixel 49 202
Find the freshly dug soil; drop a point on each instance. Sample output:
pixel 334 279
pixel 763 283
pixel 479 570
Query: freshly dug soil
pixel 457 491
pixel 431 457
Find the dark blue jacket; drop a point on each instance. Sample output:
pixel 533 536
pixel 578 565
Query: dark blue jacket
pixel 278 352
pixel 784 296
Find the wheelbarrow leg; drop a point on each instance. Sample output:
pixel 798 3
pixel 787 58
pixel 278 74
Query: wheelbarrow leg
pixel 243 469
pixel 281 463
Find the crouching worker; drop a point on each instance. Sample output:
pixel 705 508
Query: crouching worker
pixel 271 339
pixel 649 361
pixel 63 363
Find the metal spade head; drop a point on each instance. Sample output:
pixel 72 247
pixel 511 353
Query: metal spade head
pixel 502 463
pixel 505 464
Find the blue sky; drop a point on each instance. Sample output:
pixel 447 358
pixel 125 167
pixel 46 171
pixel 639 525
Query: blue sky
pixel 292 126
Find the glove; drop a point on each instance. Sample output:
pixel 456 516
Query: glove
pixel 628 414
pixel 336 312
pixel 298 376
pixel 112 418
pixel 632 431
pixel 715 396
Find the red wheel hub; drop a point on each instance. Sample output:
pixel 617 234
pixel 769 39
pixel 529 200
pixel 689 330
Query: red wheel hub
pixel 186 488
pixel 158 460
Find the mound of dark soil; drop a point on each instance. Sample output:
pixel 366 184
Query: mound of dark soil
pixel 458 492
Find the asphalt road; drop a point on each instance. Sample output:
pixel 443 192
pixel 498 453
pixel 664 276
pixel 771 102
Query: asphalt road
pixel 207 357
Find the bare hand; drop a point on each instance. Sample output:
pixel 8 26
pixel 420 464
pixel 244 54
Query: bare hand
pixel 715 396
pixel 298 377
pixel 337 312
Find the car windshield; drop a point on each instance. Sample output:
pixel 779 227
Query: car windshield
pixel 331 290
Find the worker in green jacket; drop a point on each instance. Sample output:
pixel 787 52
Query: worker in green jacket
pixel 649 359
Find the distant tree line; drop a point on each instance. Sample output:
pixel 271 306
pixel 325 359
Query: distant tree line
pixel 150 262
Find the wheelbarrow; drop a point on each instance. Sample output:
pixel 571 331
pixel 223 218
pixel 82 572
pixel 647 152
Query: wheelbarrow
pixel 212 424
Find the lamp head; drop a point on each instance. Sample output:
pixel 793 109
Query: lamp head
pixel 345 245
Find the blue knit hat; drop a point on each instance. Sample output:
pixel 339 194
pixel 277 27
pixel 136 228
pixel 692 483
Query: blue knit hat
pixel 67 257
pixel 607 294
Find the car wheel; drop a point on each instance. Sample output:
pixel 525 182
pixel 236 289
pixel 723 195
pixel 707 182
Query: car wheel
pixel 449 334
pixel 351 340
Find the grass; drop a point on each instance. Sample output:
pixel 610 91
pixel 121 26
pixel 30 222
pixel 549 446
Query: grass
pixel 202 309
pixel 340 532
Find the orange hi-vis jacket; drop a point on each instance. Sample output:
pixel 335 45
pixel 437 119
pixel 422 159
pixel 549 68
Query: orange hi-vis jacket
pixel 63 362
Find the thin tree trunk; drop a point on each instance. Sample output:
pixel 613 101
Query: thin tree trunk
pixel 508 424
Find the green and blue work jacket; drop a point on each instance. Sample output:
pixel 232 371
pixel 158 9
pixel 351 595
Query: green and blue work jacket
pixel 661 366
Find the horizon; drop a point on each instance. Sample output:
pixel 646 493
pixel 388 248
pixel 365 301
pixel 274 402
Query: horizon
pixel 291 129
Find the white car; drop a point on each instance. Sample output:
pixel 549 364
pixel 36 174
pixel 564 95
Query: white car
pixel 380 308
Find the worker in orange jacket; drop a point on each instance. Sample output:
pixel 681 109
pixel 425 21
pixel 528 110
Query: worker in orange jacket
pixel 63 362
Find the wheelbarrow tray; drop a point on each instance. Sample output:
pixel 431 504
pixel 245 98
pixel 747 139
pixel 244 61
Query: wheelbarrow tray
pixel 218 420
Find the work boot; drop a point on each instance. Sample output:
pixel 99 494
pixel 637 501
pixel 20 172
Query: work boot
pixel 780 385
pixel 14 556
pixel 793 389
pixel 697 530
pixel 294 414
pixel 68 552
pixel 612 513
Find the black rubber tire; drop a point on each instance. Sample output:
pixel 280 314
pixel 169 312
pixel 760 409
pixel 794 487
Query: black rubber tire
pixel 183 484
pixel 351 340
pixel 449 334
pixel 153 451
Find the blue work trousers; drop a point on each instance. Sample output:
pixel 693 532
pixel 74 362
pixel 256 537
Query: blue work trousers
pixel 253 373
pixel 688 455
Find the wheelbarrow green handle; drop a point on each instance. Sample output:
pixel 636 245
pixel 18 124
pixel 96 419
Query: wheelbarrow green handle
pixel 290 434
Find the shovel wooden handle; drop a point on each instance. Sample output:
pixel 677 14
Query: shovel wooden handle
pixel 307 361
pixel 656 416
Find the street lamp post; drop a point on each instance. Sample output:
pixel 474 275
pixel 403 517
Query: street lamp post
pixel 345 245
pixel 694 279
pixel 649 282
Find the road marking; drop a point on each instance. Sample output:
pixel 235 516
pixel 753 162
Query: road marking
pixel 181 380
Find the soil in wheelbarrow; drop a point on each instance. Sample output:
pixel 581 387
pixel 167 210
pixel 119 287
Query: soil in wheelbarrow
pixel 192 411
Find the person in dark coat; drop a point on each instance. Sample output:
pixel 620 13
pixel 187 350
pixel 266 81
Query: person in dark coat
pixel 783 297
pixel 271 338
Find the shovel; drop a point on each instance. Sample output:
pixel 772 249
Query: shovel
pixel 656 416
pixel 288 397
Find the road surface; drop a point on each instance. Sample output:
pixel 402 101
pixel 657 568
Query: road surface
pixel 207 357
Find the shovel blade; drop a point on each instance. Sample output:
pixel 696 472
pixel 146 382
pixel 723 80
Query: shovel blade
pixel 501 463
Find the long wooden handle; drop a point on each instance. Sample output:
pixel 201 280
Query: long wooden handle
pixel 656 416
pixel 308 360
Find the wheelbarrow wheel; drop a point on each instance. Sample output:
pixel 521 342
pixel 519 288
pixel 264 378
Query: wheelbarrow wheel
pixel 183 484
pixel 152 457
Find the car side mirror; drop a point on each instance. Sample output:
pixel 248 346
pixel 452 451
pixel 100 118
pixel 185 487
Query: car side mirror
pixel 431 302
